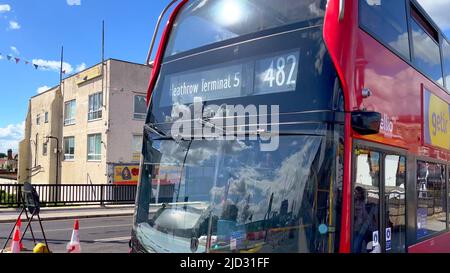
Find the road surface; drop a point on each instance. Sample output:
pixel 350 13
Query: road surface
pixel 97 235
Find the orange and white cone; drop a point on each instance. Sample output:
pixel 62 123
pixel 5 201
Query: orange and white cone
pixel 15 245
pixel 74 245
pixel 18 226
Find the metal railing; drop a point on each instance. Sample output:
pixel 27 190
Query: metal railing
pixel 71 194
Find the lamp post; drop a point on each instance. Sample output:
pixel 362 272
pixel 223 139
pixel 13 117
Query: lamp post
pixel 35 149
pixel 57 156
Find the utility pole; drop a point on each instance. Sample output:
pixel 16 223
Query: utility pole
pixel 61 68
pixel 103 42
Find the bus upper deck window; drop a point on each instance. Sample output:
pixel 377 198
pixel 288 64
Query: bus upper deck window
pixel 221 20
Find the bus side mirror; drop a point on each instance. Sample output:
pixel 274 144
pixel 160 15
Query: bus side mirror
pixel 366 123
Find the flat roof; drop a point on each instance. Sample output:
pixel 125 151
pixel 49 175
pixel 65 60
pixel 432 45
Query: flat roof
pixel 110 59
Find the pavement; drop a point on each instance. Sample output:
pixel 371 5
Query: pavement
pixel 64 213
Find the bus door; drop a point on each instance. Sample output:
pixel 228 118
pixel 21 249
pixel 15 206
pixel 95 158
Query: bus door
pixel 379 200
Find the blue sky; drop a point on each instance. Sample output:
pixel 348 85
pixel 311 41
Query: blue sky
pixel 36 30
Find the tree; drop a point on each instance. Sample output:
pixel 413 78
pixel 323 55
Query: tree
pixel 3 155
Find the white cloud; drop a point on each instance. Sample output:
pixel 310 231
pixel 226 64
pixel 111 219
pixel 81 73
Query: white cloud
pixel 438 10
pixel 14 25
pixel 15 50
pixel 80 67
pixel 74 2
pixel 53 65
pixel 42 89
pixel 10 136
pixel 5 8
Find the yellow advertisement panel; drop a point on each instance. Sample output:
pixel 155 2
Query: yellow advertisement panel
pixel 89 74
pixel 126 174
pixel 436 113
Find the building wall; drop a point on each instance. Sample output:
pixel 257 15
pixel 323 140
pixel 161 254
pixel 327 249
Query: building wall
pixel 80 170
pixel 24 163
pixel 127 81
pixel 120 83
pixel 42 168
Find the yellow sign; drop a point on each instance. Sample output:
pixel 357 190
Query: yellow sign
pixel 126 174
pixel 436 114
pixel 89 74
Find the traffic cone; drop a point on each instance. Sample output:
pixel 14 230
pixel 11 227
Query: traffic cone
pixel 18 226
pixel 15 247
pixel 74 245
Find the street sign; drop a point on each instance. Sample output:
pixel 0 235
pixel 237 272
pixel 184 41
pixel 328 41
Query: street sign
pixel 31 199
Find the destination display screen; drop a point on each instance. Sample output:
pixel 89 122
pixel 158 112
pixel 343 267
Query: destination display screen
pixel 257 76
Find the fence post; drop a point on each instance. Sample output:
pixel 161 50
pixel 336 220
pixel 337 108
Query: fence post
pixel 19 195
pixel 102 203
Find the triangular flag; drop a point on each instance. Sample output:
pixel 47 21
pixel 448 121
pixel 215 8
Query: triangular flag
pixel 36 66
pixel 9 57
pixel 64 71
pixel 17 60
pixel 27 62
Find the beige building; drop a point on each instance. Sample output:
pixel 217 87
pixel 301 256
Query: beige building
pixel 38 161
pixel 96 117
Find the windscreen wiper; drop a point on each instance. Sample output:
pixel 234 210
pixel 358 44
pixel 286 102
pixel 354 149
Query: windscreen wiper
pixel 155 130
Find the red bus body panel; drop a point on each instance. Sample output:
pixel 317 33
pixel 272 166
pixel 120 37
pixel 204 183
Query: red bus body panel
pixel 397 88
pixel 161 49
pixel 439 244
pixel 339 38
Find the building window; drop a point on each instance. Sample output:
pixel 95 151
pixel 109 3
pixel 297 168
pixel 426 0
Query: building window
pixel 46 117
pixel 140 107
pixel 95 147
pixel 44 149
pixel 137 147
pixel 69 112
pixel 95 106
pixel 69 148
pixel 386 20
pixel 446 54
pixel 427 56
pixel 432 199
pixel 38 119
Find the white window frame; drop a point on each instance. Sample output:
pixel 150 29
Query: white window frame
pixel 45 149
pixel 69 157
pixel 95 112
pixel 70 120
pixel 137 115
pixel 133 145
pixel 94 156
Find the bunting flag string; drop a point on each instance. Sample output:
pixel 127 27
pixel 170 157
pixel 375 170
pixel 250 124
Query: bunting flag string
pixel 36 66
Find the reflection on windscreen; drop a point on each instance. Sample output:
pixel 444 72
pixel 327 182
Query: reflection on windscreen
pixel 230 196
pixel 221 20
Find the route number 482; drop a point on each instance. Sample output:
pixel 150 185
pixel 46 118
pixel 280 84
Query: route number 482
pixel 281 72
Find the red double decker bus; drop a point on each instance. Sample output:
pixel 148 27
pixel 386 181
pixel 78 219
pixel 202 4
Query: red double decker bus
pixel 355 97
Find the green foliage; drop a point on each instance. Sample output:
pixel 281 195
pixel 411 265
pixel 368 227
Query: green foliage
pixel 6 198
